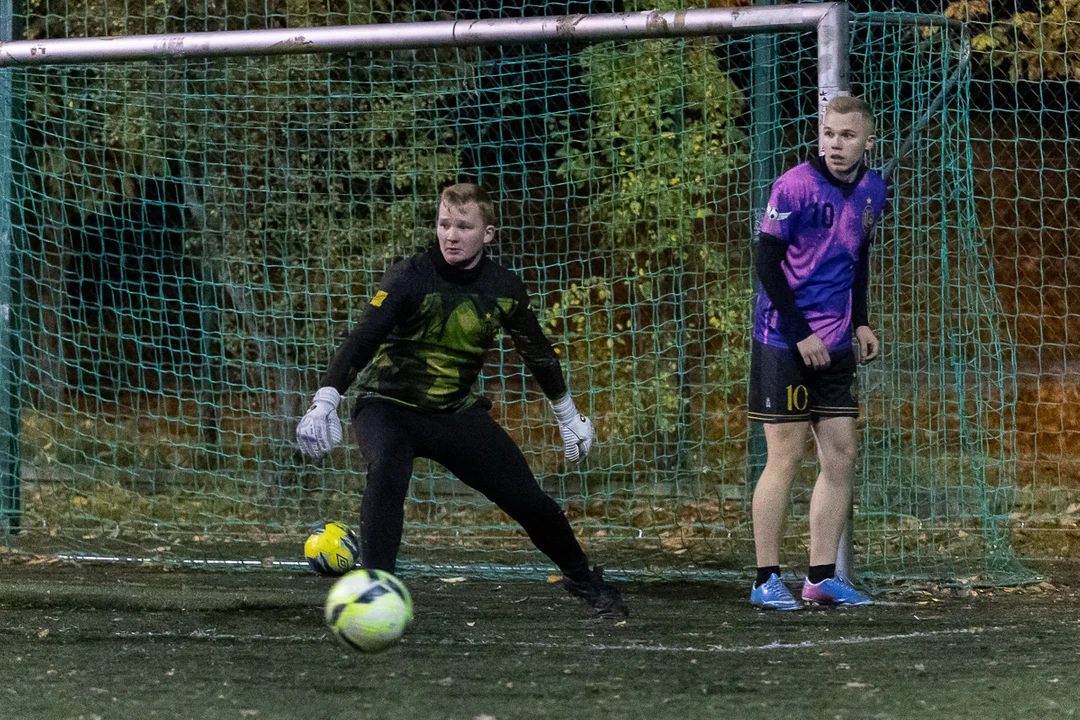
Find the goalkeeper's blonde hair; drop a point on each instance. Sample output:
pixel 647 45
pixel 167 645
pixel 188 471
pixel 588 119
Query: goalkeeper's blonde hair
pixel 465 193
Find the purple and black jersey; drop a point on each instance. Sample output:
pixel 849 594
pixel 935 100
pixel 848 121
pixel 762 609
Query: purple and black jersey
pixel 825 225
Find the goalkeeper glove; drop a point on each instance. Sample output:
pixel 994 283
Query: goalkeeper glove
pixel 575 428
pixel 319 430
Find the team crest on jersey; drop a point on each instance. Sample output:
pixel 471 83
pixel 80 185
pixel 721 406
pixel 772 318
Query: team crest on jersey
pixel 868 216
pixel 773 214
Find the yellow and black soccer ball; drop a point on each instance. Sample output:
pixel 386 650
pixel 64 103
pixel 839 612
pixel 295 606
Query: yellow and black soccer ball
pixel 333 549
pixel 368 610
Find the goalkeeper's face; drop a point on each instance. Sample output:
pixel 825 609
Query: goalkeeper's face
pixel 463 234
pixel 846 139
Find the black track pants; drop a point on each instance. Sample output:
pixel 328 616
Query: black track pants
pixel 472 446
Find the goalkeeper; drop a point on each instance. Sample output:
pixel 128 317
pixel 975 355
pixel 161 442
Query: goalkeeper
pixel 418 351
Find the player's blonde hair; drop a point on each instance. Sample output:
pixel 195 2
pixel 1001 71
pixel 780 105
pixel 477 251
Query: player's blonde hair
pixel 845 104
pixel 465 193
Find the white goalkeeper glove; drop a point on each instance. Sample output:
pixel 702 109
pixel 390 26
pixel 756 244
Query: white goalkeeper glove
pixel 575 428
pixel 319 430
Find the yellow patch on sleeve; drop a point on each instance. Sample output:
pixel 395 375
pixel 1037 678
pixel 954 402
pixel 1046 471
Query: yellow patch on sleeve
pixel 378 299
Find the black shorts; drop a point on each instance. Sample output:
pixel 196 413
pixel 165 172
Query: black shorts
pixel 783 389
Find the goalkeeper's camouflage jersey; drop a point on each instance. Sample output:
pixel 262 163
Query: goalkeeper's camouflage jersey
pixel 422 339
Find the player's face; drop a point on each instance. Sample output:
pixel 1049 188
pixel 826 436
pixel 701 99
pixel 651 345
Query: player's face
pixel 846 138
pixel 462 234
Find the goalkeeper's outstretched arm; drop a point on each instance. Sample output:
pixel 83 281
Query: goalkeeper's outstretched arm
pixel 319 431
pixel 535 349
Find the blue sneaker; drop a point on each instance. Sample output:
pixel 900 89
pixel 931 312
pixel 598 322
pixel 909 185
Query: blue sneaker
pixel 774 595
pixel 833 591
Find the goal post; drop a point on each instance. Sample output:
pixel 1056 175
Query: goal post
pixel 830 20
pixel 10 500
pixel 198 223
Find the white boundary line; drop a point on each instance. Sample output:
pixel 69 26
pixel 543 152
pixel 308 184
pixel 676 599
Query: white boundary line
pixel 425 569
pixel 806 644
pixel 213 635
pixel 735 649
pixel 407 568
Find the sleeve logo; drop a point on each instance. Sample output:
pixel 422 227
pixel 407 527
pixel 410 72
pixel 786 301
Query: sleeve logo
pixel 377 301
pixel 773 214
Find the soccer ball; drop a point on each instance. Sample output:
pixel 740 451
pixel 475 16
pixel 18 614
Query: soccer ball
pixel 368 610
pixel 332 549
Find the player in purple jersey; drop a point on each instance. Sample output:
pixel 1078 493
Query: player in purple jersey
pixel 812 260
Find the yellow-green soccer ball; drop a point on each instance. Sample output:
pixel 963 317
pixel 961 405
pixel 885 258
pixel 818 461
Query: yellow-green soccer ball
pixel 368 610
pixel 332 549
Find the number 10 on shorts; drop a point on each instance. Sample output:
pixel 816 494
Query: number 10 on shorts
pixel 797 397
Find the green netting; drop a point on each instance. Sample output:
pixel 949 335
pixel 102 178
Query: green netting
pixel 1026 164
pixel 194 239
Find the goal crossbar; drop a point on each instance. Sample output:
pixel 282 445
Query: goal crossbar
pixel 830 20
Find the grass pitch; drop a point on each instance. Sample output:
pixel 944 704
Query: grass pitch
pixel 92 641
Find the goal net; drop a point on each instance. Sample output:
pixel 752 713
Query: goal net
pixel 191 239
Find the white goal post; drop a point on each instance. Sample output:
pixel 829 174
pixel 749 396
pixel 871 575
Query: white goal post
pixel 831 21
